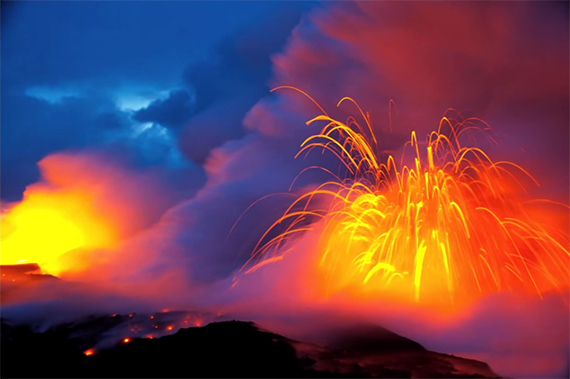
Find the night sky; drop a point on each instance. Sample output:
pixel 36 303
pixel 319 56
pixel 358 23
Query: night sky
pixel 161 113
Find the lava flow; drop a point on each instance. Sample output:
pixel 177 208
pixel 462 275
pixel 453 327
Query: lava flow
pixel 447 229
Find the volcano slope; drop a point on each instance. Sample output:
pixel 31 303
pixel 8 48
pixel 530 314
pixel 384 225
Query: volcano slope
pixel 222 349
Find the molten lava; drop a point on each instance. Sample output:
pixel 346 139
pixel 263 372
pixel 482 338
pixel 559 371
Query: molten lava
pixel 444 230
pixel 50 223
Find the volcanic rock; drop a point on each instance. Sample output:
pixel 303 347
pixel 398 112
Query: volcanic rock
pixel 223 349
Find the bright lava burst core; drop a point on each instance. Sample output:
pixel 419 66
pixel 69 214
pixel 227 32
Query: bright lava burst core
pixel 444 230
pixel 48 224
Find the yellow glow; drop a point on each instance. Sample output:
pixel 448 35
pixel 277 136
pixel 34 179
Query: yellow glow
pixel 40 233
pixel 46 225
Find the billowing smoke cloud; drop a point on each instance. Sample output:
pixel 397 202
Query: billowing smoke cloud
pixel 220 90
pixel 504 63
pixel 77 220
pixel 135 200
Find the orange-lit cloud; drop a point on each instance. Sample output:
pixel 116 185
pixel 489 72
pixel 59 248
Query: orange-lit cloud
pixel 83 204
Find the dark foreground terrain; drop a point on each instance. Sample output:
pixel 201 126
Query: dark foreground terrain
pixel 221 349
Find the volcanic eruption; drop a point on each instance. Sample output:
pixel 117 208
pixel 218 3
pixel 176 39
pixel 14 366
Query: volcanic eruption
pixel 164 213
pixel 444 230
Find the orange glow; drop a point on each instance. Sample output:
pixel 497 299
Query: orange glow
pixel 445 230
pixel 89 352
pixel 73 221
pixel 170 327
pixel 126 340
pixel 48 224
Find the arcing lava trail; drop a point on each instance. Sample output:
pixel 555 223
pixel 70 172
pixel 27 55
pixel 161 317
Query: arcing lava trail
pixel 445 230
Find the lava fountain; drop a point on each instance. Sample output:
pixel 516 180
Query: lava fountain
pixel 444 229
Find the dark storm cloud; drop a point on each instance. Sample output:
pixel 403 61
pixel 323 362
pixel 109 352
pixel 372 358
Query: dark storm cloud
pixel 220 122
pixel 223 87
pixel 73 75
pixel 242 61
pixel 172 112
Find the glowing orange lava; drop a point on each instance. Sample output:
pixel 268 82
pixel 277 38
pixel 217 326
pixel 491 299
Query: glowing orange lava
pixel 448 228
pixel 48 224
